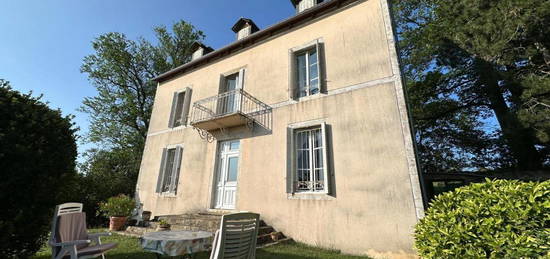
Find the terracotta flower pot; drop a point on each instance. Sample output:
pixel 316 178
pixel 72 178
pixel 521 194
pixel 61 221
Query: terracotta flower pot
pixel 117 223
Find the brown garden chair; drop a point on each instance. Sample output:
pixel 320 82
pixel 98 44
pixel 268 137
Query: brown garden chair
pixel 70 238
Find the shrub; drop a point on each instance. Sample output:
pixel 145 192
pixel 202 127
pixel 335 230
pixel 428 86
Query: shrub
pixel 118 206
pixel 494 219
pixel 37 170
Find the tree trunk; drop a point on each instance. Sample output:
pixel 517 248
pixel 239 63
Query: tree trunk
pixel 519 138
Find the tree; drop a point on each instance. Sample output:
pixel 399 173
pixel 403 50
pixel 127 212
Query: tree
pixel 122 71
pixel 490 58
pixel 37 160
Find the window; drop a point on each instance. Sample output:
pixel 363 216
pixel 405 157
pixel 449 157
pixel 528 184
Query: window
pixel 169 170
pixel 306 71
pixel 229 98
pixel 180 108
pixel 307 66
pixel 309 148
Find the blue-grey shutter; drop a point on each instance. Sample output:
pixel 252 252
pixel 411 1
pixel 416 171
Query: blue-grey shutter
pixel 173 111
pixel 320 57
pixel 162 170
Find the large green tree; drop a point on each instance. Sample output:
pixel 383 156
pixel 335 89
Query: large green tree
pixel 471 64
pixel 122 70
pixel 37 168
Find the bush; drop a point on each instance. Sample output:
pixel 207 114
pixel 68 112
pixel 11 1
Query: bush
pixel 118 206
pixel 37 166
pixel 494 219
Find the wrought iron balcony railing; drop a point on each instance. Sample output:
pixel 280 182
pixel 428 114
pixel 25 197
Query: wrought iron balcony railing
pixel 230 109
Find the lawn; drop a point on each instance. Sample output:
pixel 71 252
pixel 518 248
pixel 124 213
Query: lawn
pixel 128 247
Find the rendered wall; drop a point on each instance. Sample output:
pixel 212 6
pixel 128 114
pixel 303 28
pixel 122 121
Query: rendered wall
pixel 372 208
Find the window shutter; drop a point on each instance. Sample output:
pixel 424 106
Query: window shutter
pixel 176 170
pixel 291 170
pixel 161 171
pixel 240 84
pixel 325 160
pixel 292 91
pixel 173 111
pixel 320 56
pixel 186 106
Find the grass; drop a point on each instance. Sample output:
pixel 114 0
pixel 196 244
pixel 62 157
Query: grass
pixel 129 248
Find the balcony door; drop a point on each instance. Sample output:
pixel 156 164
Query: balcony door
pixel 227 173
pixel 229 100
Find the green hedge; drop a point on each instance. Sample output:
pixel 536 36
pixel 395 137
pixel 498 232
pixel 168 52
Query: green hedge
pixel 494 219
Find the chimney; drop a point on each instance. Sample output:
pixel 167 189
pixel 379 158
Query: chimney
pixel 302 5
pixel 244 27
pixel 198 49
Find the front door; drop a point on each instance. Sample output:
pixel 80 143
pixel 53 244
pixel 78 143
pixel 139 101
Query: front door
pixel 227 173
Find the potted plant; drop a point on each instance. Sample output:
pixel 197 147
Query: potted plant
pixel 118 209
pixel 163 225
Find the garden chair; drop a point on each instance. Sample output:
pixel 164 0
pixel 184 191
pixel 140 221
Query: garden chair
pixel 237 236
pixel 69 237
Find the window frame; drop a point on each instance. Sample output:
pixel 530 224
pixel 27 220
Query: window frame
pixel 185 108
pixel 175 171
pixel 293 89
pixel 292 156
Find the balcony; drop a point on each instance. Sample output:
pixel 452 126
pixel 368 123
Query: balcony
pixel 230 109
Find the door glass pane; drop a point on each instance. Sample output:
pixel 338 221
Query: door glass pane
pixel 301 74
pixel 228 100
pixel 232 167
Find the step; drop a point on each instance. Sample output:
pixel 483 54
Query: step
pixel 206 221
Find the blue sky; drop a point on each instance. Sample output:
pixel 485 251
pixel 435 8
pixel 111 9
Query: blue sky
pixel 42 43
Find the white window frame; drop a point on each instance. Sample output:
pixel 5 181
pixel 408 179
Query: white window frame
pixel 292 163
pixel 186 104
pixel 175 170
pixel 293 69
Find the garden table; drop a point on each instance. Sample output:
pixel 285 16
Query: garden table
pixel 177 243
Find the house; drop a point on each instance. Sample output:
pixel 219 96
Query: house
pixel 304 122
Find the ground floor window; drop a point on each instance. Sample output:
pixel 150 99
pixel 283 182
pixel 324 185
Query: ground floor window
pixel 169 170
pixel 310 172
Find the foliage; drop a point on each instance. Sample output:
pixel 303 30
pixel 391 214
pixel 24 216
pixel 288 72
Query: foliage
pixel 117 206
pixel 37 161
pixel 122 71
pixel 164 223
pixel 494 219
pixel 128 247
pixel 105 174
pixel 472 69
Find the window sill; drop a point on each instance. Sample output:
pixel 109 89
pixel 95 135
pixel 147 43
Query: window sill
pixel 179 127
pixel 309 97
pixel 309 196
pixel 167 195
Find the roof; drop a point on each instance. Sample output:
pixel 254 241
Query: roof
pixel 295 2
pixel 196 45
pixel 242 22
pixel 257 38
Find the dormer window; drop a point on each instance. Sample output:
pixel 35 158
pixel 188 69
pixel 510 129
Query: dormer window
pixel 244 28
pixel 302 5
pixel 198 50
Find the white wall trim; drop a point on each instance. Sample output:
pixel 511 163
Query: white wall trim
pixel 403 112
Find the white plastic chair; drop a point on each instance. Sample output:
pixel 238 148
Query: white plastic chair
pixel 237 236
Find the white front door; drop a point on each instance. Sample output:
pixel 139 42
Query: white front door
pixel 227 174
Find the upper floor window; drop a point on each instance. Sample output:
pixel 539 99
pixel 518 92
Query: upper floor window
pixel 306 70
pixel 180 108
pixel 169 170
